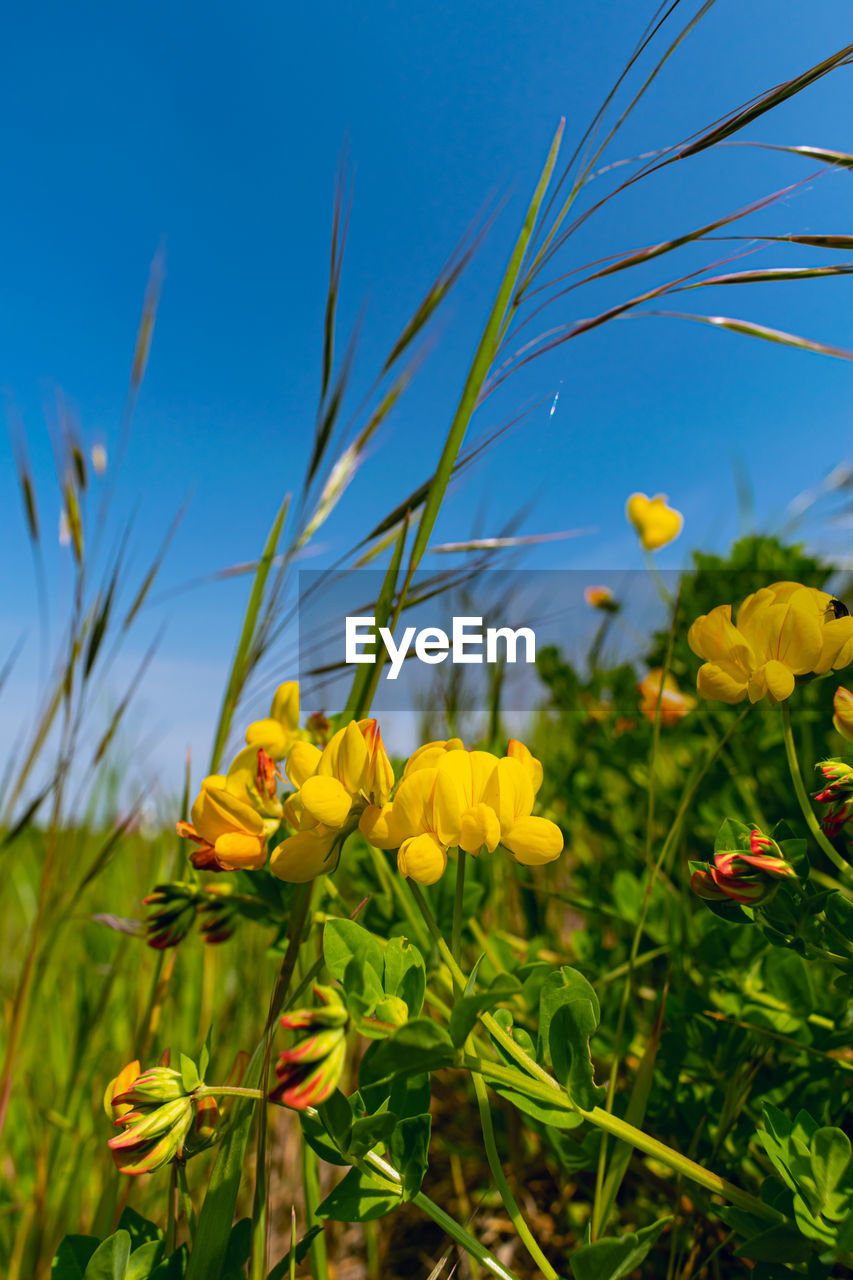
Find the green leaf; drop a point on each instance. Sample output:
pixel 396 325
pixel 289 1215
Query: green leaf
pixel 568 1015
pixel 110 1259
pixel 830 1159
pixel 556 1116
pixel 614 1258
pixel 318 1140
pixel 782 1243
pixel 409 1150
pixel 367 1132
pixel 141 1231
pixel 173 1268
pixel 345 941
pixel 420 1045
pixel 787 978
pixel 189 1074
pixel 72 1257
pixel 360 1197
pixel 238 1251
pixel 405 974
pixel 336 1116
pixel 143 1260
pixel 468 1008
pixel 839 912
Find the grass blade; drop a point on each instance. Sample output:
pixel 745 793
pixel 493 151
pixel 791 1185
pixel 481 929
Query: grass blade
pixel 242 663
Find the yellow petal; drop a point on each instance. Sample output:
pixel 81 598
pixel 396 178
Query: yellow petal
pixel 242 772
pixel 376 827
pixel 270 735
pixel 326 800
pixel 714 638
pixel 411 809
pixel 302 763
pixel 655 521
pixel 346 758
pixel 236 851
pixel 773 678
pixel 216 812
pixel 422 859
pixel 533 841
pixel 509 792
pixel 837 646
pixel 721 683
pixel 526 757
pixel 479 826
pixel 303 857
pixel 285 704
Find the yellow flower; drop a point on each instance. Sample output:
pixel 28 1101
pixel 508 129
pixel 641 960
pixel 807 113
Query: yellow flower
pixel 842 705
pixel 277 733
pixel 674 705
pixel 352 769
pixel 229 832
pixel 510 793
pixel 655 521
pixel 468 799
pixel 600 598
pixel 783 631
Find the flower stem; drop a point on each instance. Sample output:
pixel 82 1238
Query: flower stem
pixel 456 936
pixel 803 799
pixel 524 1233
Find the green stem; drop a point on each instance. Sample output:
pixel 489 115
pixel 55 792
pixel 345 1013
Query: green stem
pixel 625 1133
pixel 311 1192
pixel 186 1201
pixel 802 796
pixel 456 935
pixel 171 1211
pixel 522 1230
pixel 444 1220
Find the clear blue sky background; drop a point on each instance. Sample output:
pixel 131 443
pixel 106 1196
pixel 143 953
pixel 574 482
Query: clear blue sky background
pixel 218 127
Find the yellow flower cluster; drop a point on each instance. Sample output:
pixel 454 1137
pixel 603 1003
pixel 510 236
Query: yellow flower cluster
pixel 781 632
pixel 468 799
pixel 448 797
pixel 236 812
pixel 332 787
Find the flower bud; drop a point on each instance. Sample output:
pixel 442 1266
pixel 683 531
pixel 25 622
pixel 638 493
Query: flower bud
pixel 157 1084
pixel 155 1113
pixel 842 706
pixel 750 877
pixel 838 775
pixel 601 598
pixel 217 916
pixel 173 915
pixel 309 1071
pixel 152 1138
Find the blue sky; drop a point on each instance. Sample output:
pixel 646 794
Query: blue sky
pixel 218 129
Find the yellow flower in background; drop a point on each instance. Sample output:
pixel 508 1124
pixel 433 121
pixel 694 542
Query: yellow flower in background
pixel 782 631
pixel 674 705
pixel 656 522
pixel 842 706
pixel 278 732
pixel 600 598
